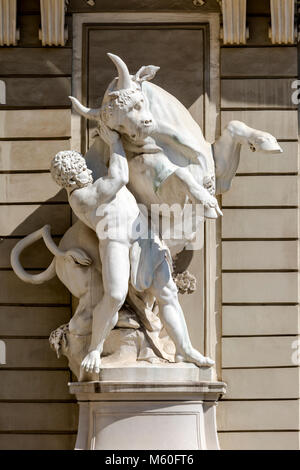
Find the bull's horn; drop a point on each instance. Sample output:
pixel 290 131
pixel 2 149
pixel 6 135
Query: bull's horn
pixel 88 113
pixel 124 81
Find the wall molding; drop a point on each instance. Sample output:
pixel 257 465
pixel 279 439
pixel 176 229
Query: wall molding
pixel 53 31
pixel 282 30
pixel 234 29
pixel 9 34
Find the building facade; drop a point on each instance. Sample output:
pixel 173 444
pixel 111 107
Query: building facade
pixel 227 60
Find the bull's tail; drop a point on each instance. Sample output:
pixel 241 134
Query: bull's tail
pixel 77 255
pixel 46 275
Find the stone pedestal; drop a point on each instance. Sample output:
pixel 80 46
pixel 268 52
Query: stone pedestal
pixel 162 407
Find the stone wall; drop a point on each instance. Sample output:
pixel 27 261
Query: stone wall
pixel 260 231
pixel 36 410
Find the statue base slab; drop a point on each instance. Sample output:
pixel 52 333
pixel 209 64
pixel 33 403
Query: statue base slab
pixel 148 411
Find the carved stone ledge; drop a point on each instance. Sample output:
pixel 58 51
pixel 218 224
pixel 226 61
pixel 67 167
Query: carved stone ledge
pixel 53 31
pixel 9 34
pixel 234 29
pixel 282 30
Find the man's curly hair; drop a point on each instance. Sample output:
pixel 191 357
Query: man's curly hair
pixel 65 166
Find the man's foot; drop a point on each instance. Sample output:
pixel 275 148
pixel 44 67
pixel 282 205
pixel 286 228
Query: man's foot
pixel 196 358
pixel 91 362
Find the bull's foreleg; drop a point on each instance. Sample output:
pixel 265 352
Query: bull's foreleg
pixel 183 179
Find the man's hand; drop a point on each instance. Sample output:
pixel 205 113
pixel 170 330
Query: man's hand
pixel 109 136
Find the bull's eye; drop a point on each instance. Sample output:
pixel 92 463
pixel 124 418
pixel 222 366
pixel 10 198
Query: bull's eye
pixel 137 107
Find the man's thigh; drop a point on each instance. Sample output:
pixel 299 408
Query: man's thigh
pixel 115 264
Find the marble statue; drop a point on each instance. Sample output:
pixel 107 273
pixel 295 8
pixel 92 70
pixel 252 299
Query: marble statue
pixel 108 203
pixel 149 151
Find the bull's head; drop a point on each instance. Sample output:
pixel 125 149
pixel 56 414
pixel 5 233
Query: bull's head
pixel 125 107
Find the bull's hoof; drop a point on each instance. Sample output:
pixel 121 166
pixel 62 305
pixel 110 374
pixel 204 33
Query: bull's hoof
pixel 210 213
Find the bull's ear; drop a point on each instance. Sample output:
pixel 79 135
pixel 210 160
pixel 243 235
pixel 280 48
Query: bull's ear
pixel 147 72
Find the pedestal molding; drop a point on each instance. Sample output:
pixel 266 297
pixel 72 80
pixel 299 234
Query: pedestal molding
pixel 100 390
pixel 153 415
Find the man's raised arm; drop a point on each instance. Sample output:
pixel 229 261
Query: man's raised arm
pixel 118 174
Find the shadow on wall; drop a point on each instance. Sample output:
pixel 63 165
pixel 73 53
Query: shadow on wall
pixel 19 220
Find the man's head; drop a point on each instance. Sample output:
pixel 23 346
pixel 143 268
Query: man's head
pixel 69 170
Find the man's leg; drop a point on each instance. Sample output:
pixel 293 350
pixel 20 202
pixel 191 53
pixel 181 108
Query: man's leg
pixel 172 317
pixel 115 274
